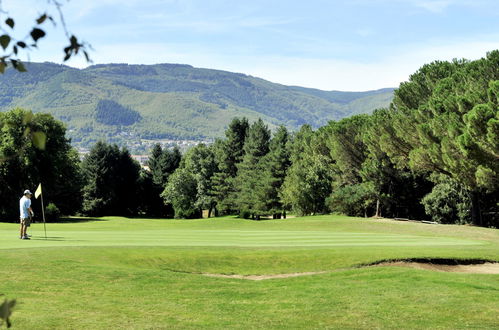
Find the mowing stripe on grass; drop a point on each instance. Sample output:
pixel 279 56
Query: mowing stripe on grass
pixel 223 238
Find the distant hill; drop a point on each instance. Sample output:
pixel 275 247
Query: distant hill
pixel 128 103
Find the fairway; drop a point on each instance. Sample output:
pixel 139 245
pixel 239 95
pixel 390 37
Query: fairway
pixel 148 273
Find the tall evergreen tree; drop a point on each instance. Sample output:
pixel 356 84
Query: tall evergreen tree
pixel 249 178
pixel 228 154
pixel 350 195
pixel 162 163
pixel 397 190
pixel 234 147
pixel 275 165
pixel 111 177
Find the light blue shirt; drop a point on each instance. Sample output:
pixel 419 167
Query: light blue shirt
pixel 24 205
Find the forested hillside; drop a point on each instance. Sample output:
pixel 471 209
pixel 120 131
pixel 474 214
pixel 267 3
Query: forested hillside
pixel 125 103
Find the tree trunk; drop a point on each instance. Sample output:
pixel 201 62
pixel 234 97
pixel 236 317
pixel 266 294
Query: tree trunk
pixel 284 215
pixel 378 215
pixel 476 215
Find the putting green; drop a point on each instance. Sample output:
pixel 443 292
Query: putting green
pixel 137 232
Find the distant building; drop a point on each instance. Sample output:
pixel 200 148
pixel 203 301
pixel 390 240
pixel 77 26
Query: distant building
pixel 142 159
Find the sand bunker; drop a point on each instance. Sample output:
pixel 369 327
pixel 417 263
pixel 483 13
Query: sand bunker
pixel 263 277
pixel 482 268
pixel 439 265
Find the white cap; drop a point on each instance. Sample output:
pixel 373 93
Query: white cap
pixel 27 192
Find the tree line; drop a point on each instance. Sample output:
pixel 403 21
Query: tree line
pixel 433 154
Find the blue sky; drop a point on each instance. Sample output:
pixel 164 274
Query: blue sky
pixel 332 45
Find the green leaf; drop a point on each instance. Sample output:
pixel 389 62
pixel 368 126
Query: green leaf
pixel 41 19
pixel 37 33
pixel 14 63
pixel 21 67
pixel 39 139
pixel 21 44
pixel 10 22
pixel 4 41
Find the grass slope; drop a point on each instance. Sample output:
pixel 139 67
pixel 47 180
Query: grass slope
pixel 135 273
pixel 174 101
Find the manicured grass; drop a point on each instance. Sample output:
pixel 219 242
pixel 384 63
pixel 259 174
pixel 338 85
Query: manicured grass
pixel 140 273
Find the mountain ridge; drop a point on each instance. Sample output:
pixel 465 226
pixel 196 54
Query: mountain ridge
pixel 170 101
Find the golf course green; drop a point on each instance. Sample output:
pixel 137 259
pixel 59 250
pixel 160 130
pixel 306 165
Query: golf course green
pixel 114 273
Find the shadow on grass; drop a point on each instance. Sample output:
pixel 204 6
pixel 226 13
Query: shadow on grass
pixel 54 239
pixel 75 220
pixel 49 238
pixel 61 220
pixel 434 261
pixel 264 219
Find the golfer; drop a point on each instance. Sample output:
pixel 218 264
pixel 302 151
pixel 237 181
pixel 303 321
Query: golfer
pixel 25 213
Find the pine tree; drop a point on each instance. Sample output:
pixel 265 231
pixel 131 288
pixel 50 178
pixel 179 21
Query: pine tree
pixel 228 154
pixel 275 165
pixel 395 190
pixel 111 177
pixel 162 163
pixel 437 127
pixel 250 170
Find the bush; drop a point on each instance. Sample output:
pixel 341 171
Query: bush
pixel 245 214
pixel 52 213
pixel 448 202
pixel 353 200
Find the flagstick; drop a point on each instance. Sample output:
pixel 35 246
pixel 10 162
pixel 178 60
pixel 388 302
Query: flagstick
pixel 43 215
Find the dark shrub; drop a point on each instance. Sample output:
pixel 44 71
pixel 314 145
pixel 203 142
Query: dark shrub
pixel 52 213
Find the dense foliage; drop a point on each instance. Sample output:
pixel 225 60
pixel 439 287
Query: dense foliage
pixel 111 181
pixel 109 112
pixel 432 155
pixel 24 164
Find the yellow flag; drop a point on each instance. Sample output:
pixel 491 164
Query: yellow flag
pixel 38 191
